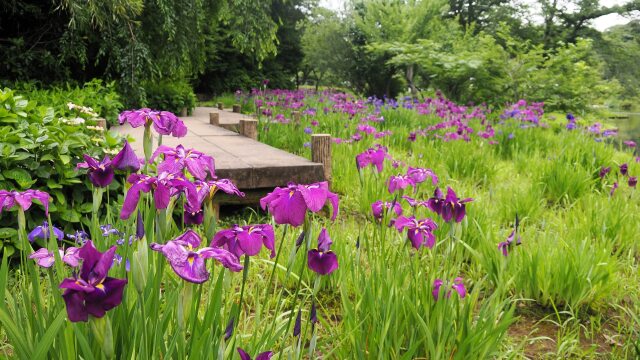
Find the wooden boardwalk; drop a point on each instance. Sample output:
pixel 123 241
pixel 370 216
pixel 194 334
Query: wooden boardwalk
pixel 253 166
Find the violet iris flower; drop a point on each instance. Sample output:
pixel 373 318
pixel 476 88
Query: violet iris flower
pixel 378 208
pixel 400 182
pixel 8 199
pixel 457 285
pixel 100 173
pixel 262 356
pixel 419 175
pixel 322 260
pixel 92 292
pixel 164 122
pixel 420 232
pixel 43 232
pixel 164 186
pixel 604 171
pixel 289 205
pixel 45 258
pixel 414 203
pixel 613 188
pixel 449 207
pixel 246 240
pixel 175 160
pixel 372 156
pixel 189 263
pixel 79 237
pixel 126 159
pixel 633 181
pixel 505 245
pixel 624 169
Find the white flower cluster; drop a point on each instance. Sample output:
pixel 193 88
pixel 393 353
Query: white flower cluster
pixel 83 109
pixel 96 128
pixel 74 121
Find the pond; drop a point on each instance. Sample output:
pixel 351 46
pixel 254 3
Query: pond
pixel 628 126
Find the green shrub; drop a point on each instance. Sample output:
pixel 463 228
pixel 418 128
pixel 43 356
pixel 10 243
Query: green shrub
pixel 170 96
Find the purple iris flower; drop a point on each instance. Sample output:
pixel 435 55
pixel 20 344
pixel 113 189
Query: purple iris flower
pixel 419 175
pixel 420 232
pixel 297 327
pixel 164 186
pixel 207 189
pixel 108 230
pixel 100 173
pixel 630 143
pixel 246 240
pixel 43 232
pixel 79 237
pixel 262 356
pixel 449 207
pixel 613 188
pixel 189 263
pixel 414 203
pixel 506 245
pixel 379 207
pixel 8 199
pixel 633 181
pixel 372 156
pixel 624 169
pixel 570 117
pixel 604 171
pixel 193 214
pixel 289 205
pixel 164 122
pixel 45 258
pixel 175 160
pixel 400 182
pixel 457 285
pixel 412 136
pixel 308 130
pixel 126 159
pixel 322 260
pixel 92 293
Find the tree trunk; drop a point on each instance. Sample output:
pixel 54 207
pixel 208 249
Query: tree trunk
pixel 410 74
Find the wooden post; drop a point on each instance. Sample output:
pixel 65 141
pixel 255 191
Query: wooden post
pixel 321 152
pixel 249 128
pixel 296 117
pixel 183 112
pixel 220 106
pixel 214 118
pixel 236 108
pixel 102 123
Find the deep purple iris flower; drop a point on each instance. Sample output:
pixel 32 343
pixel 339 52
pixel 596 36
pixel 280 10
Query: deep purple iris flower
pixel 126 159
pixel 633 181
pixel 164 122
pixel 164 186
pixel 43 232
pixel 8 199
pixel 379 207
pixel 92 292
pixel 372 156
pixel 400 182
pixel 449 207
pixel 100 173
pixel 624 169
pixel 175 160
pixel 246 240
pixel 322 260
pixel 262 356
pixel 457 285
pixel 420 175
pixel 613 188
pixel 604 171
pixel 419 232
pixel 189 263
pixel 45 258
pixel 289 205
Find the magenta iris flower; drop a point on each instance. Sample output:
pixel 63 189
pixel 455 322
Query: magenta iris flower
pixel 175 160
pixel 449 207
pixel 289 205
pixel 420 175
pixel 164 186
pixel 372 156
pixel 630 143
pixel 207 189
pixel 43 232
pixel 92 292
pixel 246 240
pixel 400 182
pixel 189 263
pixel 506 245
pixel 126 159
pixel 379 207
pixel 100 173
pixel 414 203
pixel 419 232
pixel 262 356
pixel 164 122
pixel 8 199
pixel 45 258
pixel 457 285
pixel 322 260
